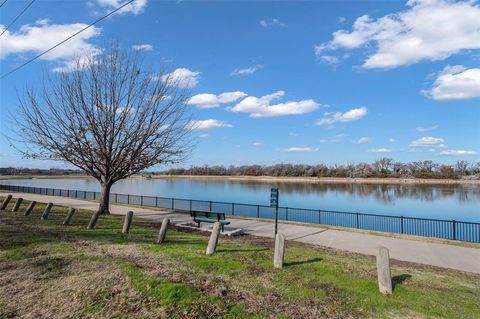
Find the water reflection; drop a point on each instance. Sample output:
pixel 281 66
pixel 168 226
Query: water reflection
pixel 386 193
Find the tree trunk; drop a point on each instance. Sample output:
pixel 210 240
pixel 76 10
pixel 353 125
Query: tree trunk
pixel 103 208
pixel 104 201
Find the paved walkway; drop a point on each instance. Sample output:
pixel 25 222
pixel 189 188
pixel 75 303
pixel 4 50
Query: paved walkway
pixel 441 255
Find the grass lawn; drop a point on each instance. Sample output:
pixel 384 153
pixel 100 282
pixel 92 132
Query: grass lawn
pixel 55 271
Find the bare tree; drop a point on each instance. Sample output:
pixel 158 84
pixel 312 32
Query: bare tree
pixel 107 116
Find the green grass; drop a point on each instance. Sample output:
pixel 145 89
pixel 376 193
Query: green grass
pixel 177 280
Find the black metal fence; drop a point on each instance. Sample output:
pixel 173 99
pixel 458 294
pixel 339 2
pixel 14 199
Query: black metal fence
pixel 447 229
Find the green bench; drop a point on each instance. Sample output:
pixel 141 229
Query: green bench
pixel 208 217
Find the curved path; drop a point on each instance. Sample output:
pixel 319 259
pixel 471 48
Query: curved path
pixel 417 251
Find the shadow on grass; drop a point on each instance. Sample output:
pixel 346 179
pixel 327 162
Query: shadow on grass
pixel 302 262
pixel 400 279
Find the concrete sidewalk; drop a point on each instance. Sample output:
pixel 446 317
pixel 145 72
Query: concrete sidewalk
pixel 422 252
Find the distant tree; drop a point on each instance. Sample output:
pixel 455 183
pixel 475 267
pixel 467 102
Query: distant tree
pixel 109 116
pixel 461 167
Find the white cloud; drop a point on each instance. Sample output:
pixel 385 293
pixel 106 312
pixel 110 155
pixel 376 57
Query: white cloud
pixel 136 7
pixel 246 71
pixel 380 150
pixel 258 144
pixel 351 115
pixel 300 149
pixel 208 100
pixel 142 47
pixel 342 19
pixel 42 36
pixel 272 23
pixel 391 140
pixel 457 152
pixel 293 134
pixel 182 77
pixel 204 135
pixel 427 30
pixel 363 140
pixel 426 129
pixel 261 107
pixel 208 124
pixel 428 141
pixel 332 140
pixel 330 59
pixel 455 83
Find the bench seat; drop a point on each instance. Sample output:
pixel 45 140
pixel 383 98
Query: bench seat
pixel 209 217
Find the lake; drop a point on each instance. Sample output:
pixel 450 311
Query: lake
pixel 459 202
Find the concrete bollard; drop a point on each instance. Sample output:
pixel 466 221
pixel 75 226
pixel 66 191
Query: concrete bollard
pixel 17 204
pixel 30 208
pixel 93 220
pixel 279 251
pixel 127 222
pixel 383 271
pixel 46 211
pixel 212 243
pixel 5 202
pixel 163 231
pixel 69 216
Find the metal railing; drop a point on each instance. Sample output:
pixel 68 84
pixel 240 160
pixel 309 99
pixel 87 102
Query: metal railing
pixel 447 229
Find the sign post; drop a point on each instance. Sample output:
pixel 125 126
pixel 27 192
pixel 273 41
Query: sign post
pixel 274 203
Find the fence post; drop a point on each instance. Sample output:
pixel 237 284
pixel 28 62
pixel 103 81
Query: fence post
pixel 156 201
pixel 190 205
pixel 401 224
pixel 173 203
pixel 76 193
pixel 94 195
pixel 141 200
pixel 258 211
pixel 357 218
pixel 286 213
pixel 210 206
pixel 319 216
pixel 116 197
pixel 84 194
pixel 128 198
pixel 233 208
pixel 454 229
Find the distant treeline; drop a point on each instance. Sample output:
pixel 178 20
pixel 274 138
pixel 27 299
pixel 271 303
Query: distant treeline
pixel 38 171
pixel 384 167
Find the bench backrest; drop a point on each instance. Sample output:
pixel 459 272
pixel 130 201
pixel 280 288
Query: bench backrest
pixel 217 216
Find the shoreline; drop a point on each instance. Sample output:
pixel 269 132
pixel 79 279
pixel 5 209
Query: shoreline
pixel 271 179
pixel 316 180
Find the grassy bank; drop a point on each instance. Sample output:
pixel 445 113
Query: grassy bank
pixel 271 179
pixel 48 270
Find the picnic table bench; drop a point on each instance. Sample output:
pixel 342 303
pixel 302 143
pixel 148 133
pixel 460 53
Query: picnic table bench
pixel 209 217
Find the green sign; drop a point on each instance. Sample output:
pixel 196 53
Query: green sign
pixel 274 197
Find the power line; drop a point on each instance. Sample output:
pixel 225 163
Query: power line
pixel 18 16
pixel 63 41
pixel 1 5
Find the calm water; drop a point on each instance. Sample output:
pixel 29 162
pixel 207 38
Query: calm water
pixel 460 202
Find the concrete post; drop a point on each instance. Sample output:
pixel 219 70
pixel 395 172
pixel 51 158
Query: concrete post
pixel 30 208
pixel 383 271
pixel 163 231
pixel 212 243
pixel 46 211
pixel 17 204
pixel 69 216
pixel 93 220
pixel 5 202
pixel 127 222
pixel 279 251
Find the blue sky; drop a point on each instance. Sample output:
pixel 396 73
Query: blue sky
pixel 299 82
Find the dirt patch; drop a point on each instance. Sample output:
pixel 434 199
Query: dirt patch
pixel 68 287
